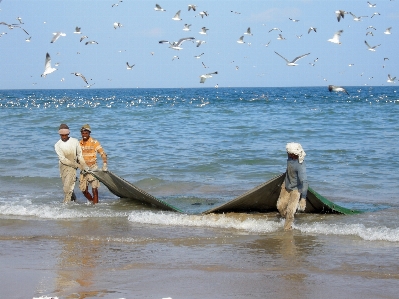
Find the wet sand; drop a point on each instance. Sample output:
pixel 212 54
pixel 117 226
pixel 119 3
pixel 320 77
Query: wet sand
pixel 114 258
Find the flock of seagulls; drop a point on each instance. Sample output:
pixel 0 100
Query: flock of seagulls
pixel 246 34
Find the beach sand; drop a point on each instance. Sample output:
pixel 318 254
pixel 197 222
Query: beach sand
pixel 115 258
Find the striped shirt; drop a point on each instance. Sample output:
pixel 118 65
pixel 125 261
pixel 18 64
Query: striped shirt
pixel 90 148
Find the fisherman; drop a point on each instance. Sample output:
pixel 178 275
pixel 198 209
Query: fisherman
pixel 70 158
pixel 90 148
pixel 295 186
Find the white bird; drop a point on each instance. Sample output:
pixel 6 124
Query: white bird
pixel 203 13
pixel 293 20
pixel 241 40
pixel 376 13
pixel 28 39
pixel 335 38
pixel 192 6
pixel 266 45
pixel 340 14
pixel 81 76
pixel 280 37
pixel 390 79
pixel 199 56
pixel 337 89
pixel 292 63
pixel 47 66
pixel 248 31
pixel 371 48
pixel 275 28
pixel 57 36
pixel 177 16
pixel 117 25
pixel 388 30
pixel 312 29
pixel 176 45
pixel 91 42
pixel 200 42
pixel 19 19
pixel 371 5
pixel 83 37
pixel 206 76
pixel 357 19
pixel 175 57
pixel 370 32
pixel 158 8
pixel 203 30
pixel 129 67
pixel 186 27
pixel 77 30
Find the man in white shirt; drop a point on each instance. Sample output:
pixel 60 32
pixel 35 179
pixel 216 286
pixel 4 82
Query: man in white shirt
pixel 70 158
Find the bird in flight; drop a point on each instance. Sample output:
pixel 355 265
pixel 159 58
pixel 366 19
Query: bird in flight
pixel 158 8
pixel 206 76
pixel 81 76
pixel 292 63
pixel 57 36
pixel 129 67
pixel 335 38
pixel 371 48
pixel 176 45
pixel 337 89
pixel 47 66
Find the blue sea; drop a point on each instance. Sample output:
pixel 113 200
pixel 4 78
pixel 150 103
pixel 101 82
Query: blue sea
pixel 194 148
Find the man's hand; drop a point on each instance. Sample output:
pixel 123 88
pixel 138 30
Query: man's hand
pixel 105 168
pixel 302 205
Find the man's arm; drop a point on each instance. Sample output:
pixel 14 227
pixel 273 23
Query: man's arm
pixel 63 159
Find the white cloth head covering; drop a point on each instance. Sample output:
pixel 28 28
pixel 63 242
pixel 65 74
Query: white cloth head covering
pixel 296 149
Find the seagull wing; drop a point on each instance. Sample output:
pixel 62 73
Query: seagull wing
pixel 299 57
pixel 55 37
pixel 47 62
pixel 180 41
pixel 84 79
pixel 282 57
pixel 367 44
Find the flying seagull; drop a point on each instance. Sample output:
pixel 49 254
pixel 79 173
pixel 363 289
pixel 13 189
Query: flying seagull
pixel 158 8
pixel 371 48
pixel 203 30
pixel 357 19
pixel 337 89
pixel 57 36
pixel 129 67
pixel 248 31
pixel 275 28
pixel 312 29
pixel 47 66
pixel 206 76
pixel 192 6
pixel 388 30
pixel 371 5
pixel 83 37
pixel 176 45
pixel 340 14
pixel 390 79
pixel 200 42
pixel 117 25
pixel 81 76
pixel 335 38
pixel 91 42
pixel 203 13
pixel 77 30
pixel 241 40
pixel 177 16
pixel 293 20
pixel 292 63
pixel 199 56
pixel 186 27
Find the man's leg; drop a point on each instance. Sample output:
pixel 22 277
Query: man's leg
pixel 68 176
pixel 291 209
pixel 95 195
pixel 282 201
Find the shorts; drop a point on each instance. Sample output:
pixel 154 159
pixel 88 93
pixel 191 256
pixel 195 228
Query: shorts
pixel 88 179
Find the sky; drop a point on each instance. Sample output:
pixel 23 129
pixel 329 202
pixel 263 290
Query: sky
pixel 253 63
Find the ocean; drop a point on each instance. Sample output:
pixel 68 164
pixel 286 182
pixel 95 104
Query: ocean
pixel 196 148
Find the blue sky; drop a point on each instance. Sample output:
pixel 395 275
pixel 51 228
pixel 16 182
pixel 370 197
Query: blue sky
pixel 252 64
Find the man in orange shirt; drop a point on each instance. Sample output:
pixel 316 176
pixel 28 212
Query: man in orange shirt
pixel 90 148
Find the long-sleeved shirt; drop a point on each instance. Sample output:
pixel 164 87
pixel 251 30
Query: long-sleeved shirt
pixel 69 152
pixel 296 178
pixel 90 148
